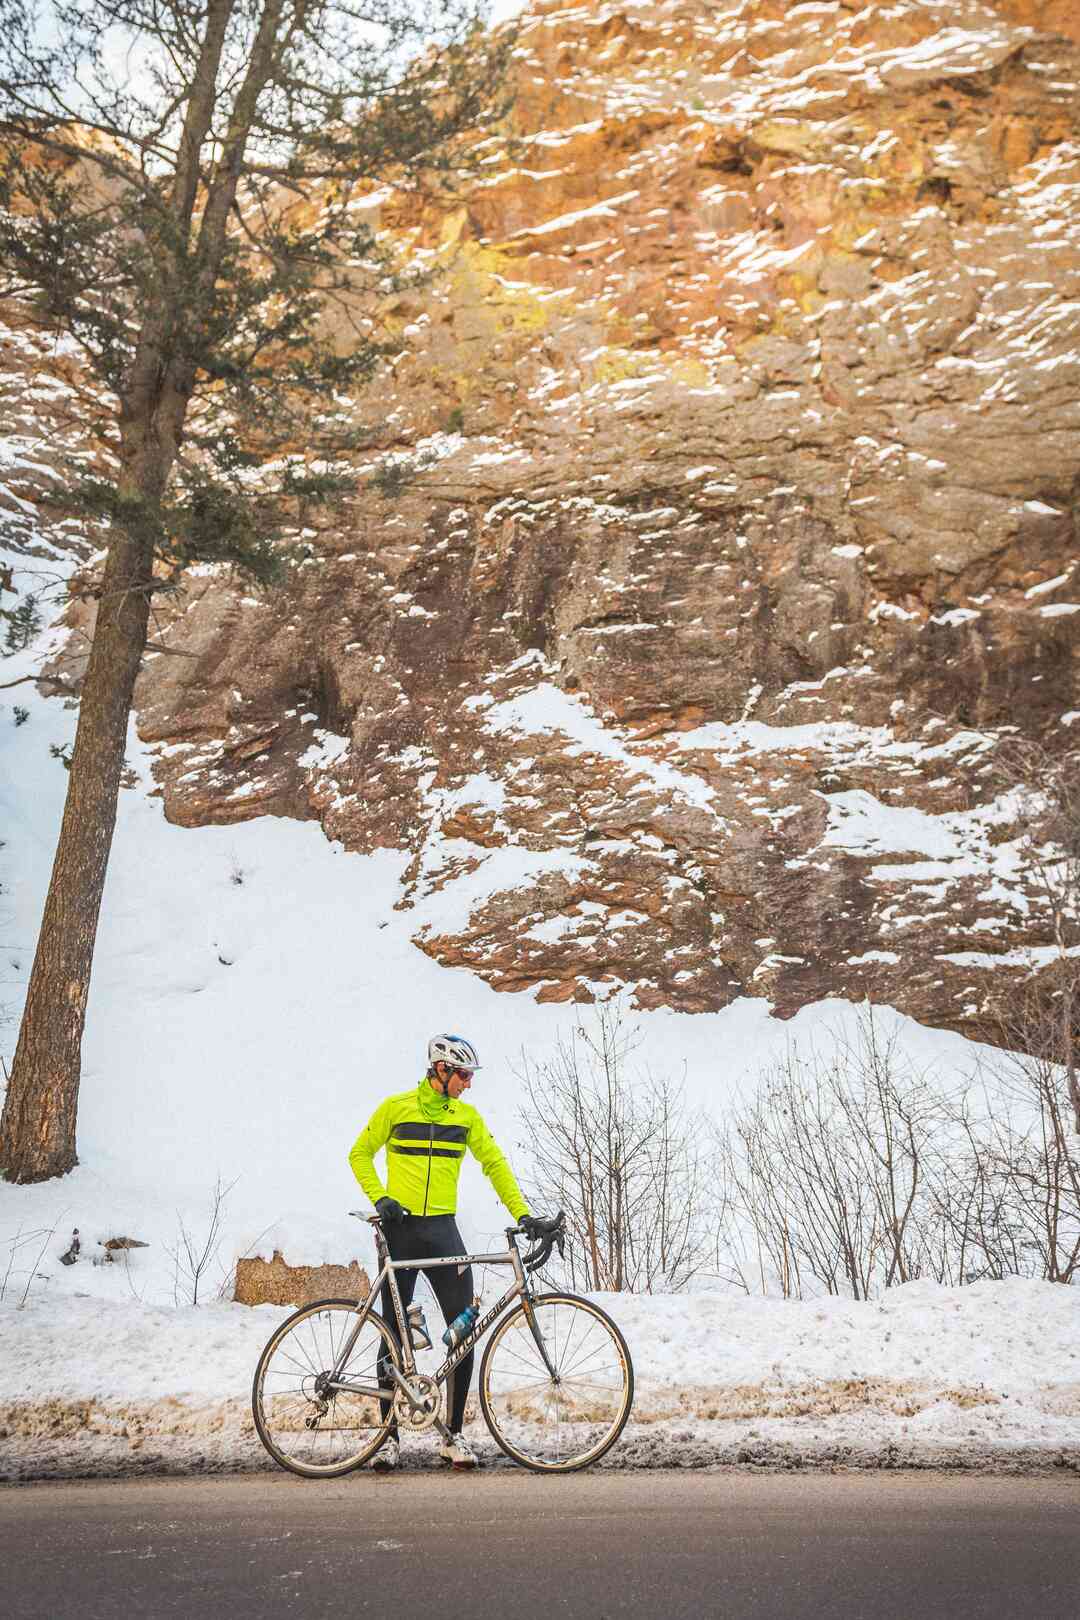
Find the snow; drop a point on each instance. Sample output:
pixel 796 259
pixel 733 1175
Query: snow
pixel 982 1374
pixel 1029 957
pixel 547 709
pixel 862 824
pixel 447 909
pixel 601 210
pixel 1047 584
pixel 326 750
pixel 479 791
pixel 554 928
pixel 492 458
pixel 836 739
pixel 889 610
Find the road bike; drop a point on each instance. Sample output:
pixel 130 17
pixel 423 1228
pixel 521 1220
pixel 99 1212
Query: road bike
pixel 556 1381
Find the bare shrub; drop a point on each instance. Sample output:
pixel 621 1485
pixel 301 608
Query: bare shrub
pixel 193 1255
pixel 619 1153
pixel 40 1237
pixel 859 1173
pixel 1020 1215
pixel 832 1166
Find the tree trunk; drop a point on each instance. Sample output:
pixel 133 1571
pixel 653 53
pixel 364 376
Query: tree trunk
pixel 37 1131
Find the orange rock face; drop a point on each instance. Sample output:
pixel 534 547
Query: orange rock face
pixel 275 1282
pixel 748 386
pixel 1047 16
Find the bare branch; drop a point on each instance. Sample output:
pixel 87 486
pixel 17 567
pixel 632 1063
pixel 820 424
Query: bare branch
pixel 48 680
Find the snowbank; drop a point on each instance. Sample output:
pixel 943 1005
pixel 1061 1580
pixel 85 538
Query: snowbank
pixel 983 1376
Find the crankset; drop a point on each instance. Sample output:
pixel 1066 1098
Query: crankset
pixel 422 1413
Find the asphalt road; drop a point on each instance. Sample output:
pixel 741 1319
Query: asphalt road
pixel 518 1547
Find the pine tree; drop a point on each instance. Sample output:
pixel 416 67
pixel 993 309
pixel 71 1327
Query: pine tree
pixel 23 624
pixel 160 216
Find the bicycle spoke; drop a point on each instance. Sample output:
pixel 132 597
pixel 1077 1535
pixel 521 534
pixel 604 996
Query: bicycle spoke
pixel 560 1361
pixel 573 1326
pixel 304 1372
pixel 536 1361
pixel 352 1425
pixel 560 1400
pixel 516 1389
pixel 314 1344
pixel 586 1383
pixel 583 1348
pixel 570 1420
pixel 584 1362
pixel 297 1344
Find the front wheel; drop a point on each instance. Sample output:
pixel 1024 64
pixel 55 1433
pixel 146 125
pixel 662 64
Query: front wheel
pixel 310 1431
pixel 560 1418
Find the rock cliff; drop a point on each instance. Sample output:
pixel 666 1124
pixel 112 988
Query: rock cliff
pixel 746 387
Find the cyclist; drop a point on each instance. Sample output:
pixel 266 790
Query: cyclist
pixel 425 1133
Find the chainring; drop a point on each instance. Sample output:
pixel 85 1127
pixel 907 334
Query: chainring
pixel 417 1419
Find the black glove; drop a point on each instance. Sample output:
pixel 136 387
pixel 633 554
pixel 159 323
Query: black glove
pixel 391 1211
pixel 534 1227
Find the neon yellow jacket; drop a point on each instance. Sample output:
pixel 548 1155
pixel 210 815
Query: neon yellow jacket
pixel 425 1136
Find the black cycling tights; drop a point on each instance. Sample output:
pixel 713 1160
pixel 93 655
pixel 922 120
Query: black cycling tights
pixel 427 1237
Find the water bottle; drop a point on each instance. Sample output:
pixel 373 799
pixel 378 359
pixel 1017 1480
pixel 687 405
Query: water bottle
pixel 418 1328
pixel 461 1325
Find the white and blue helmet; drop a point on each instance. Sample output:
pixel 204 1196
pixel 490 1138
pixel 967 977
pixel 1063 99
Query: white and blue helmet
pixel 452 1049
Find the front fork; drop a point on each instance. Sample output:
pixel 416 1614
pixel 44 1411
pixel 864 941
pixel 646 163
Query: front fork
pixel 538 1337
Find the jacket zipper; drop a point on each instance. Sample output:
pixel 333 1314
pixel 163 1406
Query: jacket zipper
pixel 430 1142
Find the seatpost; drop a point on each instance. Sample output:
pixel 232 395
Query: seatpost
pixel 382 1250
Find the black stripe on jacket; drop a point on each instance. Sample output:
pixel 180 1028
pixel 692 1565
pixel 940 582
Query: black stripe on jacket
pixel 417 1131
pixel 424 1152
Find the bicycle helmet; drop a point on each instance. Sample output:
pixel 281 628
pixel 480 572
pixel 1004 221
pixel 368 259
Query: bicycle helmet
pixel 452 1049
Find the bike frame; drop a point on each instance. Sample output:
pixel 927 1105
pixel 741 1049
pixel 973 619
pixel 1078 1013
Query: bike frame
pixel 519 1289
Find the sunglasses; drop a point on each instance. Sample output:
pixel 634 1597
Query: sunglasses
pixel 461 1074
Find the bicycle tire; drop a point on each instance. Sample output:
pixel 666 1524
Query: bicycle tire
pixel 309 1468
pixel 497 1405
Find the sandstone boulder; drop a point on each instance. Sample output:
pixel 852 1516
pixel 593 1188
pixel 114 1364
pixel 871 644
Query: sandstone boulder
pixel 275 1282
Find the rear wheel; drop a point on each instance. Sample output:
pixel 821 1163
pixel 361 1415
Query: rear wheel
pixel 303 1427
pixel 558 1419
